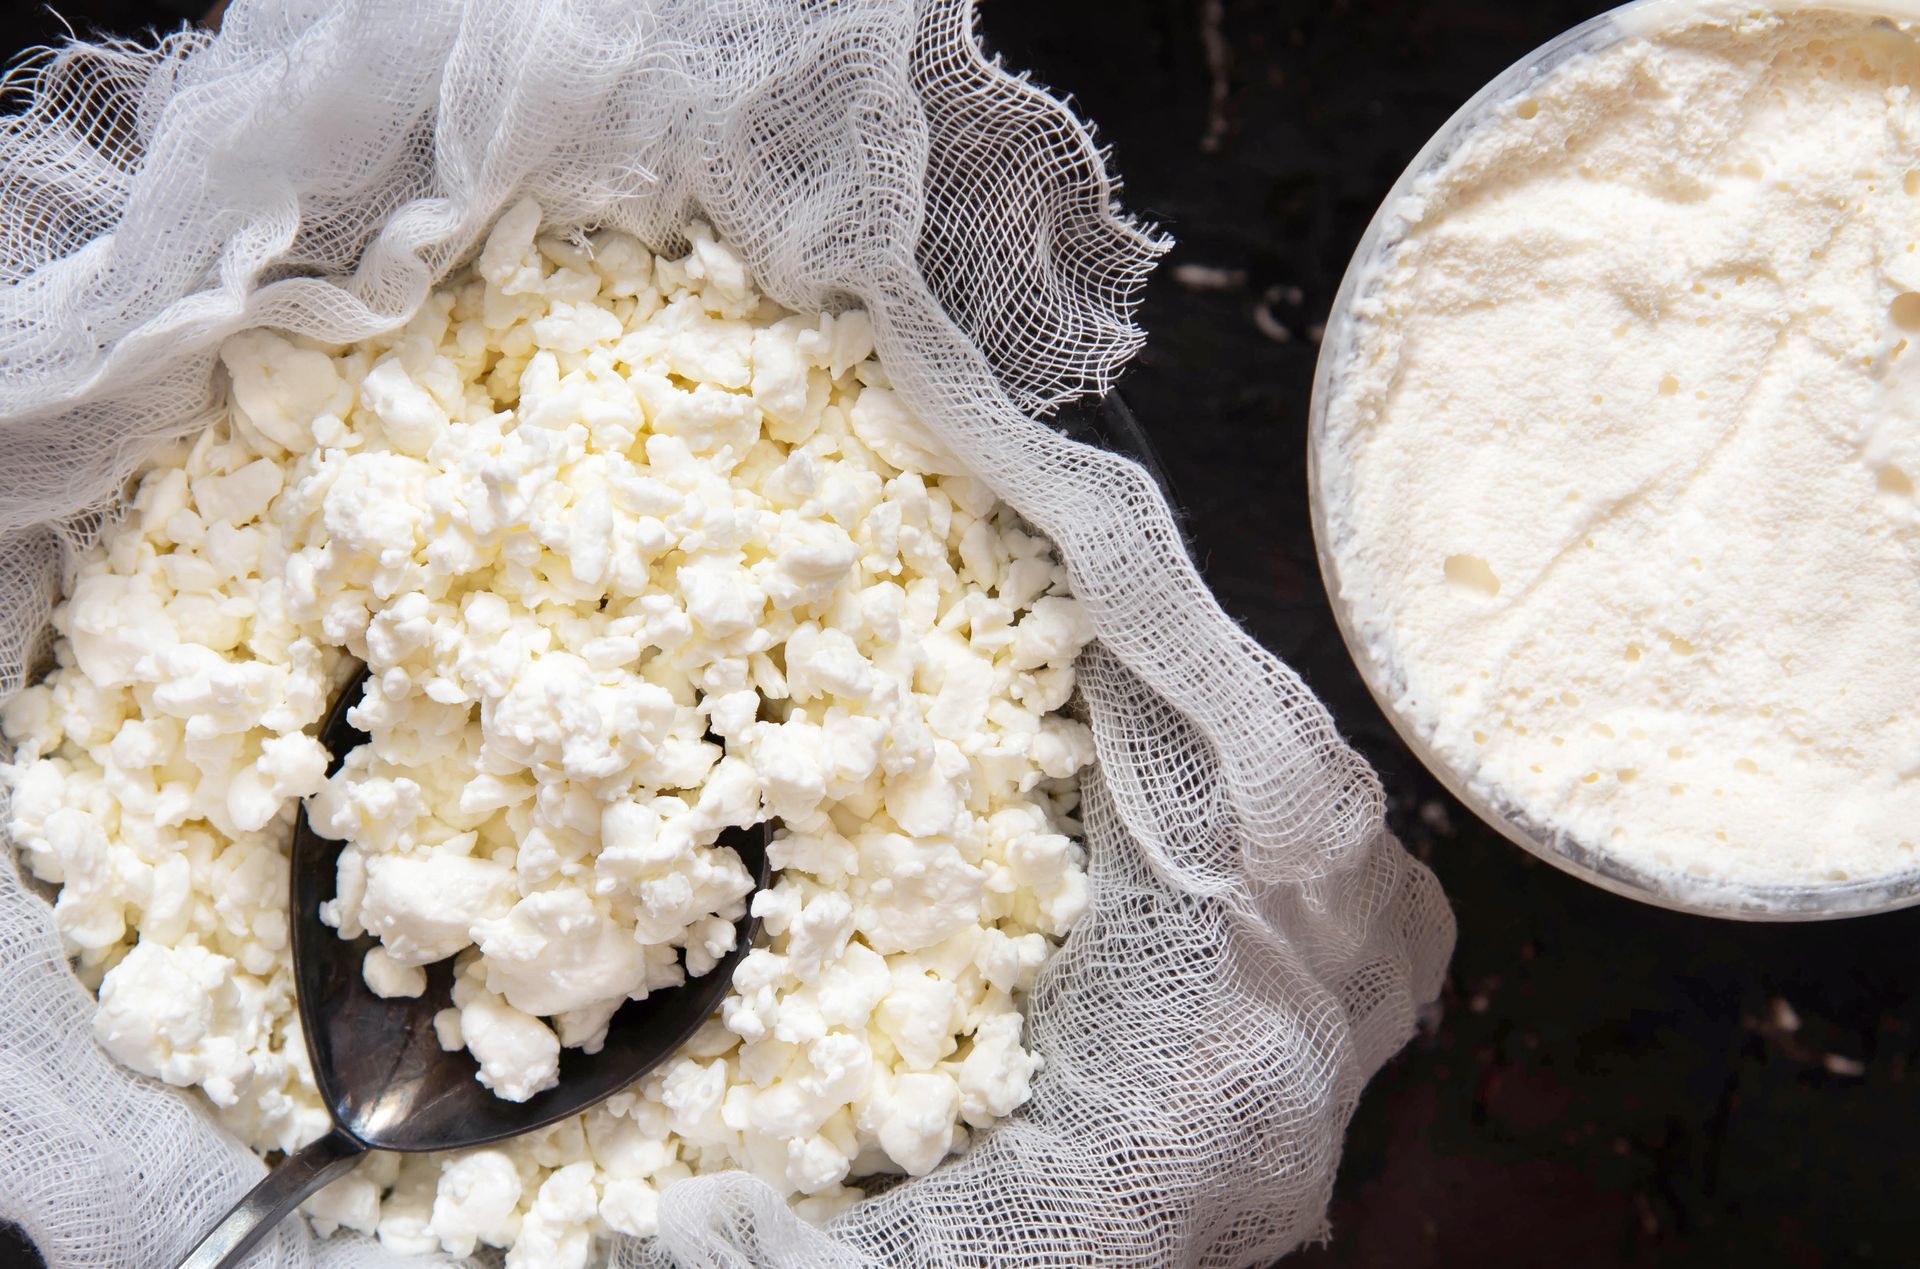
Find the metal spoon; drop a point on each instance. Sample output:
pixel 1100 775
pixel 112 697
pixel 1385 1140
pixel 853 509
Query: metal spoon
pixel 378 1063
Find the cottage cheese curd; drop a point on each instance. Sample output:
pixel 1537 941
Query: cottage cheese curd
pixel 631 555
pixel 1619 481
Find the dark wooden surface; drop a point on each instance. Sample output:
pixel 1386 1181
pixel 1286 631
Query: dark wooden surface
pixel 1604 1084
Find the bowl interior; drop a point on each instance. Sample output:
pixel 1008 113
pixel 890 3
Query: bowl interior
pixel 1712 896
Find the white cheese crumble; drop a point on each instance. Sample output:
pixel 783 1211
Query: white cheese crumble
pixel 590 510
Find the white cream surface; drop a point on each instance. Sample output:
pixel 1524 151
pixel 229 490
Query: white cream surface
pixel 1619 484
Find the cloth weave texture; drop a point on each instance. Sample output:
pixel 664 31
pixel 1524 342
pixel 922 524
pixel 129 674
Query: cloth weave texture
pixel 1257 942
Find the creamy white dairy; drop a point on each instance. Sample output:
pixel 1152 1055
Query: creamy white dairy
pixel 587 511
pixel 1620 482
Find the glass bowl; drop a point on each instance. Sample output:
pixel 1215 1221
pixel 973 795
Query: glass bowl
pixel 1686 893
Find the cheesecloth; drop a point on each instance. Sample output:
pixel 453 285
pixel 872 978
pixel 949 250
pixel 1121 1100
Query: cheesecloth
pixel 1257 941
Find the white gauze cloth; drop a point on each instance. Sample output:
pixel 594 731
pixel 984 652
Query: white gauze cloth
pixel 1257 941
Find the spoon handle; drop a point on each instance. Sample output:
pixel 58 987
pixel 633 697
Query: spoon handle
pixel 260 1209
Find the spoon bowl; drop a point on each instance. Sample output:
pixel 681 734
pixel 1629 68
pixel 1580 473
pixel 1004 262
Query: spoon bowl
pixel 378 1064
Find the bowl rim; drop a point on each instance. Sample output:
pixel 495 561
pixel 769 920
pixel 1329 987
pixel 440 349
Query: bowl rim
pixel 1699 895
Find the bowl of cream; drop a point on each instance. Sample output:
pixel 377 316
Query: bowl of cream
pixel 1614 447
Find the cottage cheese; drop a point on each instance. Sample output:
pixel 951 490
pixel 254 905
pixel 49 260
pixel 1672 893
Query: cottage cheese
pixel 1620 479
pixel 632 556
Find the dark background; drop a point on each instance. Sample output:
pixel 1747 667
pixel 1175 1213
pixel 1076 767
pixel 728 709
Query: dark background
pixel 1603 1083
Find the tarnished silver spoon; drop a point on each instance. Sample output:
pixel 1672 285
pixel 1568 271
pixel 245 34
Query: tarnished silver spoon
pixel 378 1063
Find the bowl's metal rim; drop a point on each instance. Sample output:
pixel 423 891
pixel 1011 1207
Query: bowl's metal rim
pixel 1702 896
